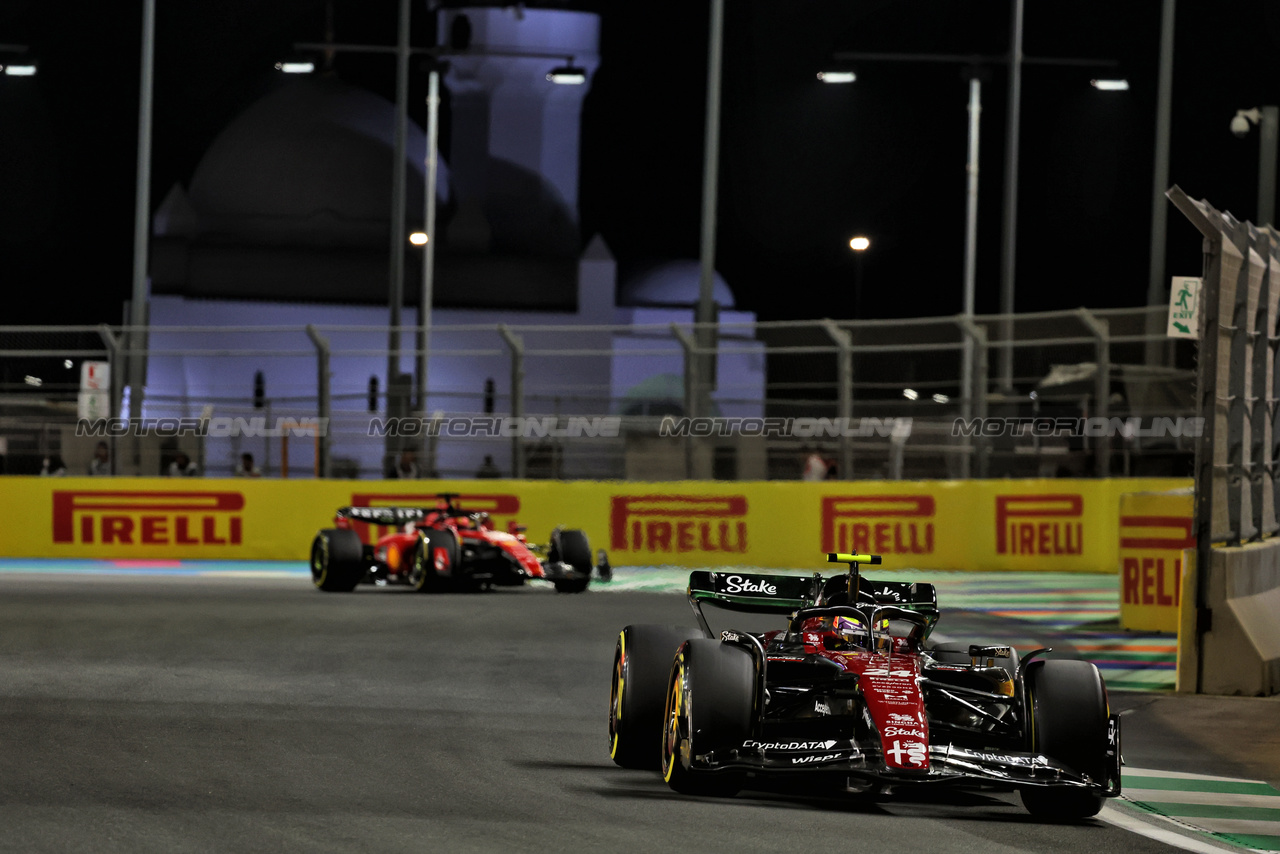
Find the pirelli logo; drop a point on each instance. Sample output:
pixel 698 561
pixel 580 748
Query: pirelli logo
pixel 119 517
pixel 1154 575
pixel 678 523
pixel 1039 524
pixel 879 524
pixel 1157 532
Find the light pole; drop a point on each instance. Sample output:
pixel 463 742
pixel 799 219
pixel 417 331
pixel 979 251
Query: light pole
pixel 1268 121
pixel 141 223
pixel 704 334
pixel 1009 238
pixel 969 387
pixel 427 295
pixel 1159 184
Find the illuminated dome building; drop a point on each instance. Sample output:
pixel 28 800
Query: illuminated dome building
pixel 286 222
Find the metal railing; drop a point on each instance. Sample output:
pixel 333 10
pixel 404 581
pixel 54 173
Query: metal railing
pixel 878 398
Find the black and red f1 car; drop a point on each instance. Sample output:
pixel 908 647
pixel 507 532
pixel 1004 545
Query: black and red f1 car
pixel 853 693
pixel 442 547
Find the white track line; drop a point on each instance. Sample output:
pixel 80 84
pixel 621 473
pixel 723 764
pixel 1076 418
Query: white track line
pixel 1200 845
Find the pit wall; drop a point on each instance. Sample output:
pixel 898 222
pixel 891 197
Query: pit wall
pixel 1061 525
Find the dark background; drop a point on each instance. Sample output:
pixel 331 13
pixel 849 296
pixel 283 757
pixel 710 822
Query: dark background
pixel 804 165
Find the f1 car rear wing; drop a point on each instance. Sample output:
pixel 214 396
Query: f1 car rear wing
pixel 382 515
pixel 759 594
pixel 786 594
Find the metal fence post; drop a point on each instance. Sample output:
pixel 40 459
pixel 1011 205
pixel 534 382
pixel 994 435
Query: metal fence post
pixel 324 405
pixel 1259 411
pixel 516 343
pixel 690 391
pixel 1207 404
pixel 844 391
pixel 112 343
pixel 975 390
pixel 1240 331
pixel 1102 390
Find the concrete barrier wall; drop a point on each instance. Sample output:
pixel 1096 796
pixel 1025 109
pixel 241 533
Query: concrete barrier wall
pixel 1240 650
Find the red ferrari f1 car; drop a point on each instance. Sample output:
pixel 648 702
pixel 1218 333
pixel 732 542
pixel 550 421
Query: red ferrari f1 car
pixel 851 693
pixel 443 547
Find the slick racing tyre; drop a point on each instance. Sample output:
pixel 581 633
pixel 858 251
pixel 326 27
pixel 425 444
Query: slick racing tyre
pixel 1067 701
pixel 337 560
pixel 435 560
pixel 709 707
pixel 641 667
pixel 423 575
pixel 572 548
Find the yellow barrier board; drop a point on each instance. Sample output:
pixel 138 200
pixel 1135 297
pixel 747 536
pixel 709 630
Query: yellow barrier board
pixel 1050 525
pixel 1155 528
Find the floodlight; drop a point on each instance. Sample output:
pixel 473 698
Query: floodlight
pixel 568 75
pixel 837 76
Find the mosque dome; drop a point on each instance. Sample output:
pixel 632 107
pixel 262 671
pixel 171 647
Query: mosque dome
pixel 310 163
pixel 671 283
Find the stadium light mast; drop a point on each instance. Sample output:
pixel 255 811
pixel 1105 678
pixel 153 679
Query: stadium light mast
pixel 704 315
pixel 140 298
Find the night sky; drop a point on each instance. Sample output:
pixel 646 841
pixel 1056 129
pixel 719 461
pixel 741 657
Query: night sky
pixel 804 165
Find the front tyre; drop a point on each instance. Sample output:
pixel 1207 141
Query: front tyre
pixel 641 667
pixel 710 708
pixel 1067 704
pixel 337 560
pixel 424 577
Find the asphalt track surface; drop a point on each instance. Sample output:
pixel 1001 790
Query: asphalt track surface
pixel 184 714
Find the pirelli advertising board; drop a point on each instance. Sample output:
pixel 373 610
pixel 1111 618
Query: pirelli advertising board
pixel 1053 525
pixel 1155 528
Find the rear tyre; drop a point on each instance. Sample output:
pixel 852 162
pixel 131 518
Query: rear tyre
pixel 1067 701
pixel 337 560
pixel 709 707
pixel 572 548
pixel 641 667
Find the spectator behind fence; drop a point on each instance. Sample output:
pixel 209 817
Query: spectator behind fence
pixel 246 468
pixel 406 467
pixel 488 468
pixel 53 466
pixel 815 467
pixel 182 466
pixel 101 461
